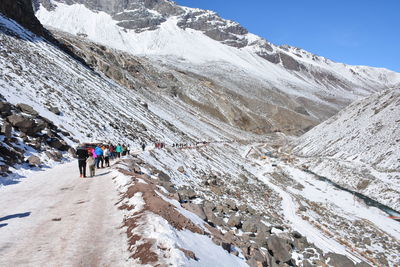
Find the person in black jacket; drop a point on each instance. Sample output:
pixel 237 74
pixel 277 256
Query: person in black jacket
pixel 82 154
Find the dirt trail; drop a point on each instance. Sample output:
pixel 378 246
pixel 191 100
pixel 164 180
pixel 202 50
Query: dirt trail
pixel 54 218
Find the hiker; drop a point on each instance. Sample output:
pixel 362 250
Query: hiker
pixel 124 150
pixel 91 163
pixel 143 146
pixel 112 151
pixel 118 149
pixel 82 154
pixel 106 154
pixel 99 157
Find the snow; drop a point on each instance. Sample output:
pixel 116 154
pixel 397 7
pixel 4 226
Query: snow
pixel 194 48
pixel 359 144
pixel 156 228
pixel 56 218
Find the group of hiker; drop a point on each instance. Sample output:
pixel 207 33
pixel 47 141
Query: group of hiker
pixel 98 155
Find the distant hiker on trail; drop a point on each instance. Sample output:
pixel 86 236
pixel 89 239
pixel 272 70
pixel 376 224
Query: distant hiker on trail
pixel 112 152
pixel 143 146
pixel 128 149
pixel 99 157
pixel 106 153
pixel 118 149
pixel 91 162
pixel 124 149
pixel 82 154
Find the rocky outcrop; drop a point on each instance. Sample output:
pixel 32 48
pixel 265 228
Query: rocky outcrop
pixel 22 12
pixel 22 126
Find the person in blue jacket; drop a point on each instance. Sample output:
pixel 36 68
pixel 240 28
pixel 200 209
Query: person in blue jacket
pixel 99 158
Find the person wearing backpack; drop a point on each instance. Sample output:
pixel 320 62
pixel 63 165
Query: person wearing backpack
pixel 82 155
pixel 99 157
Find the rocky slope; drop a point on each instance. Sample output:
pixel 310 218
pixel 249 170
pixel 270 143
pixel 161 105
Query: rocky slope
pixel 359 147
pixel 272 86
pixel 22 12
pixel 249 210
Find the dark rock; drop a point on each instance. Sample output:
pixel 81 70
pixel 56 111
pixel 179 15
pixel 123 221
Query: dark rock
pixel 3 169
pixel 338 260
pixel 22 12
pixel 280 248
pixel 27 109
pixel 54 156
pixel 34 161
pixel 290 63
pixel 227 246
pixel 54 110
pixel 6 130
pixel 186 195
pixel 21 122
pixel 5 108
pixel 54 143
pixel 164 177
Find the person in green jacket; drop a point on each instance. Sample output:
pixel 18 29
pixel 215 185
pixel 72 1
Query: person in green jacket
pixel 118 149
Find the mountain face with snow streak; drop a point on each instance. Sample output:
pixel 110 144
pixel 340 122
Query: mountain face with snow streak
pixel 272 86
pixel 359 148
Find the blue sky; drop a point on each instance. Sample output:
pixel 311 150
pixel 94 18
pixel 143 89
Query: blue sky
pixel 357 32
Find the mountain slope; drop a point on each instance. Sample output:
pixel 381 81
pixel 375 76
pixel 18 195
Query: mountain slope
pixel 272 80
pixel 241 208
pixel 359 147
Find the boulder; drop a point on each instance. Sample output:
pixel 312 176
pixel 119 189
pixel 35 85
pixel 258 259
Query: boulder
pixel 231 204
pixel 164 177
pixel 34 161
pixel 186 195
pixel 39 126
pixel 259 260
pixel 280 248
pixel 54 156
pixel 20 121
pixel 6 130
pixel 196 209
pixel 339 260
pixel 5 108
pixel 181 169
pixel 212 218
pixel 250 225
pixel 235 221
pixel 299 241
pixel 54 143
pixel 27 109
pixel 54 110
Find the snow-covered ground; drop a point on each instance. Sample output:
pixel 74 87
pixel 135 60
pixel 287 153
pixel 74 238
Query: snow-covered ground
pixel 359 148
pixel 55 218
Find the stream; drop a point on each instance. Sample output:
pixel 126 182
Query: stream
pixel 368 201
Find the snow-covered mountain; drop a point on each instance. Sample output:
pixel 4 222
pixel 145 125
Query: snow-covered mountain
pixel 359 148
pixel 273 87
pixel 221 204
